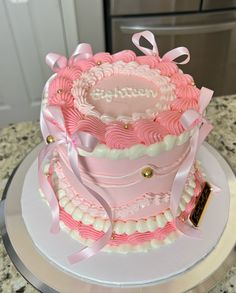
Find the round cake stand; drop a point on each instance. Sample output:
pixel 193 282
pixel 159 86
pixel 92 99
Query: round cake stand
pixel 47 277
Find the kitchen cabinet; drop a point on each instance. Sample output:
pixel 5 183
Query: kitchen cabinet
pixel 207 28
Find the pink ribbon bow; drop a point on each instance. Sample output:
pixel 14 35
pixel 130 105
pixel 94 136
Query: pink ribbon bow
pixel 169 56
pixel 57 62
pixel 52 123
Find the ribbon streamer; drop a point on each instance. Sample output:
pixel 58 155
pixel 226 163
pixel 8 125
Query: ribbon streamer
pixel 52 123
pixel 189 119
pixel 57 62
pixel 169 56
pixel 46 188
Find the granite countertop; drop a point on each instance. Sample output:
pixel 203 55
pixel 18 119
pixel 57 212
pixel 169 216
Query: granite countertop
pixel 17 140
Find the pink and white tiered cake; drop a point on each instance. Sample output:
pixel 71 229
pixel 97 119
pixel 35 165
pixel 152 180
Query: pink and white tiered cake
pixel 119 169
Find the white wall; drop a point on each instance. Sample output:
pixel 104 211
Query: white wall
pixel 28 31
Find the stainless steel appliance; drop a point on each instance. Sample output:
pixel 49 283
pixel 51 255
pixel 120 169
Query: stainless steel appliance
pixel 207 28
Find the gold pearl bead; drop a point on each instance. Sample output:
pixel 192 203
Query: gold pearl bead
pixel 113 236
pixel 59 91
pixel 50 139
pixel 147 172
pixel 126 126
pixel 98 62
pixel 193 83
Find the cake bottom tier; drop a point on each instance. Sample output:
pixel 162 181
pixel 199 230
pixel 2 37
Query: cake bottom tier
pixel 128 235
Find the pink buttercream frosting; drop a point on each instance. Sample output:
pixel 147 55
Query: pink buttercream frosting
pixel 126 56
pixel 72 116
pixel 85 65
pixel 184 104
pixel 167 68
pixel 93 126
pixel 187 92
pixel 180 79
pixel 117 136
pixel 70 72
pixel 152 61
pixel 59 83
pixel 102 58
pixel 171 121
pixel 149 132
pixel 64 99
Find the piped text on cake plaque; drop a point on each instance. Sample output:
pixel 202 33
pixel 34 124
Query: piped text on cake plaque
pixel 200 206
pixel 122 93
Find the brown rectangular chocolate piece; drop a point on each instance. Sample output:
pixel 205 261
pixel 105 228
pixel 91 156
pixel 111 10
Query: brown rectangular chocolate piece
pixel 196 213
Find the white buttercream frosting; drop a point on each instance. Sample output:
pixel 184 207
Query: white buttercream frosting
pixel 139 150
pixel 123 248
pixel 90 78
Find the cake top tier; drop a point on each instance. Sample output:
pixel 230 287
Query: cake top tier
pixel 122 99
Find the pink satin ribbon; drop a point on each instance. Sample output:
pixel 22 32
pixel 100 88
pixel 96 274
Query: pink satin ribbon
pixel 169 56
pixel 52 123
pixel 189 119
pixel 149 37
pixel 57 62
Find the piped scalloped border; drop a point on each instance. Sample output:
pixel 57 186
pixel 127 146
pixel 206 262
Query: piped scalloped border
pixel 95 74
pixel 123 248
pixel 139 150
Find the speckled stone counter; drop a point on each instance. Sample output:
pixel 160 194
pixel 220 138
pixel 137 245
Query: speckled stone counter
pixel 19 139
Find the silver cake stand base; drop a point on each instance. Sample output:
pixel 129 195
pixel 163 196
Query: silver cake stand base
pixel 46 277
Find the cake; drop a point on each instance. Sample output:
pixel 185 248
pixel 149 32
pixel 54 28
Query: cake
pixel 118 168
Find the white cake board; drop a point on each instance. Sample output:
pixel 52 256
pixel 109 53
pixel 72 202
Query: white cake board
pixel 133 269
